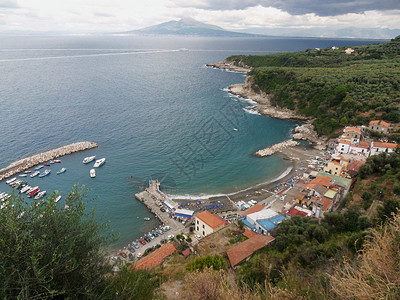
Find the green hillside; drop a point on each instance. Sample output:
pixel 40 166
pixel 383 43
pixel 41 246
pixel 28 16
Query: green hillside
pixel 334 87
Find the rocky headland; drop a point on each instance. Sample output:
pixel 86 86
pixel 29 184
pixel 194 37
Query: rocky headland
pixel 230 67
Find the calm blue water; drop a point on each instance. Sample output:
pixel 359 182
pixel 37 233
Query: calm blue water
pixel 155 112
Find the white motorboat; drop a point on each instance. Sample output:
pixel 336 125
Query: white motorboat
pixel 92 173
pixel 89 159
pixel 99 162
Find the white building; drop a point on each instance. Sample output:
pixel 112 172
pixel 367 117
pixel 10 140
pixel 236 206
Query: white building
pixel 378 147
pixel 206 223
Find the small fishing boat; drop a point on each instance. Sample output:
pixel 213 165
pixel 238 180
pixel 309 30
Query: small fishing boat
pixel 39 167
pixel 99 162
pixel 11 180
pixel 57 161
pixel 52 162
pixel 57 199
pixel 45 173
pixel 61 171
pixel 46 164
pixel 40 195
pixel 89 159
pixel 147 219
pixel 92 173
pixel 31 190
pixel 24 189
pixel 33 193
pixel 235 129
pixel 28 172
pixel 35 174
pixel 23 175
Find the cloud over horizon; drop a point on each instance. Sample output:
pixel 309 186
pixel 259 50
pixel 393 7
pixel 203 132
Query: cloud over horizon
pixel 102 16
pixel 297 7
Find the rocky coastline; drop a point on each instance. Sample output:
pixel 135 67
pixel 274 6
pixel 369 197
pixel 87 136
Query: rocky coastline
pixel 305 131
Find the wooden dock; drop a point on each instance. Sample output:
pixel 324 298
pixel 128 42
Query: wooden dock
pixel 29 162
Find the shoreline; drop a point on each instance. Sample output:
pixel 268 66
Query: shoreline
pixel 37 159
pixel 294 156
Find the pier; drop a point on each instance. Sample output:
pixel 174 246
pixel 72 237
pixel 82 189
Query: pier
pixel 29 162
pixel 153 198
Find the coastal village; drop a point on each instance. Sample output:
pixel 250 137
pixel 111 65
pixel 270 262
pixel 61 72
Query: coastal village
pixel 317 183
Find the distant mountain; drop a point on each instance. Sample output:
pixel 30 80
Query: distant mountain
pixel 188 26
pixel 331 32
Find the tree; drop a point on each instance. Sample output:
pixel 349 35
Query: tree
pixel 49 251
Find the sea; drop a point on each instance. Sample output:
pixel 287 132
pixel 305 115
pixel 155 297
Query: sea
pixel 154 108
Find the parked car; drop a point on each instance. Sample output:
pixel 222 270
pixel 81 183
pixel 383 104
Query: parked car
pixel 197 236
pixel 123 254
pixel 130 256
pixel 139 255
pixel 163 241
pixel 171 236
pixel 142 241
pixel 162 209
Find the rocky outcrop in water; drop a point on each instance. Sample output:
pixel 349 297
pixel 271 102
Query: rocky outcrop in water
pixel 307 132
pixel 276 148
pixel 230 67
pixel 29 162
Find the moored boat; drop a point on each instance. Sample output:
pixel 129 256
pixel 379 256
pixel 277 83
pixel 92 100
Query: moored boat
pixel 23 175
pixel 147 219
pixel 34 192
pixel 57 199
pixel 92 173
pixel 40 195
pixel 89 159
pixel 35 174
pixel 39 167
pixel 25 188
pixel 99 162
pixel 61 171
pixel 45 173
pixel 46 164
pixel 11 180
pixel 52 162
pixel 31 190
pixel 57 161
pixel 28 172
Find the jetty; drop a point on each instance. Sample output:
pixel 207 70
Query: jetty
pixel 29 162
pixel 153 199
pixel 276 148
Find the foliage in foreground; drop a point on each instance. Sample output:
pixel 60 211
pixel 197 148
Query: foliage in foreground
pixel 49 251
pixel 376 272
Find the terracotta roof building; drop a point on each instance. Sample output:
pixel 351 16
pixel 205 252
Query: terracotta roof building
pixel 380 126
pixel 207 223
pixel 249 233
pixel 244 250
pixel 254 209
pixel 155 258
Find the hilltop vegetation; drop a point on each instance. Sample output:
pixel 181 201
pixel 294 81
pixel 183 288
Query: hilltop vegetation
pixel 335 88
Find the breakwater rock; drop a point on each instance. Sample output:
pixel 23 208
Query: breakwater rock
pixel 307 132
pixel 29 162
pixel 276 148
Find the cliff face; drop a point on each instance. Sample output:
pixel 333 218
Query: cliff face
pixel 249 90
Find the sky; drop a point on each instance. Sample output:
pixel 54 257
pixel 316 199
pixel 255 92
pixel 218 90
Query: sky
pixel 88 16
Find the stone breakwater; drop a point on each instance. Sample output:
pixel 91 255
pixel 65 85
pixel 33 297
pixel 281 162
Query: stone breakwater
pixel 276 148
pixel 29 162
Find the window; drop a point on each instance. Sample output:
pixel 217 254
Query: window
pixel 197 222
pixel 197 228
pixel 203 226
pixel 204 233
